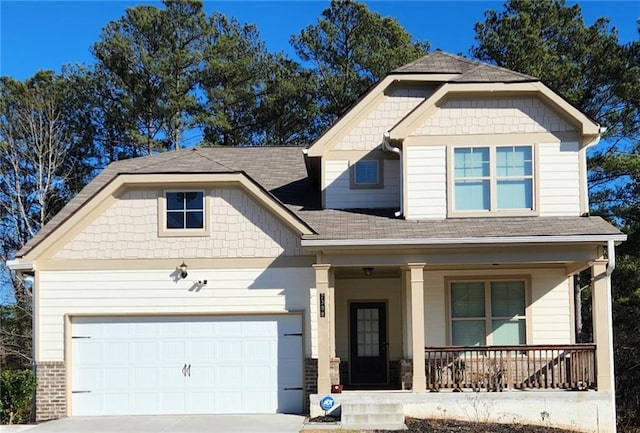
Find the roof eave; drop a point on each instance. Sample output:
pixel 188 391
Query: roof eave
pixel 313 244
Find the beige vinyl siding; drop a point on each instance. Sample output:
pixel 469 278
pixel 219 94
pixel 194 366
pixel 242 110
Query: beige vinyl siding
pixel 549 321
pixel 559 179
pixel 435 309
pixel 396 103
pixel 551 309
pixel 238 227
pixel 364 290
pixel 339 195
pixel 426 182
pixel 142 292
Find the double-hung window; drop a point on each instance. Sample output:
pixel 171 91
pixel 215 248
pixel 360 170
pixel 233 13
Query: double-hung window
pixel 493 179
pixel 488 312
pixel 184 210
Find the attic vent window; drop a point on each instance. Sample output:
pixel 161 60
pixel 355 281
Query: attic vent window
pixel 185 210
pixel 366 174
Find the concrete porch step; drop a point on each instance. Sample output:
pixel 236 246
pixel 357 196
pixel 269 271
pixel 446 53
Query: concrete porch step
pixel 372 415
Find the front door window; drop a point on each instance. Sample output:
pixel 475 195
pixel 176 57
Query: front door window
pixel 368 354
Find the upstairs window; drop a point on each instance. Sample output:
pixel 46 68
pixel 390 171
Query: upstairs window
pixel 489 179
pixel 366 174
pixel 185 210
pixel 488 312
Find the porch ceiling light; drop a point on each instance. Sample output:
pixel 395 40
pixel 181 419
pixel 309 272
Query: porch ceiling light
pixel 183 270
pixel 367 271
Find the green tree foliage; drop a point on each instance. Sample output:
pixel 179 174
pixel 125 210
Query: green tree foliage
pixel 287 108
pixel 626 307
pixel 18 387
pixel 232 80
pixel 592 70
pixel 153 57
pixel 350 48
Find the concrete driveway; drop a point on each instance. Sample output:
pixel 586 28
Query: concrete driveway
pixel 278 423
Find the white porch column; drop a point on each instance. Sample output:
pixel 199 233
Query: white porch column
pixel 331 313
pixel 603 325
pixel 323 316
pixel 416 282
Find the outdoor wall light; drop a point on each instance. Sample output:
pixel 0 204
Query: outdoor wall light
pixel 367 271
pixel 183 270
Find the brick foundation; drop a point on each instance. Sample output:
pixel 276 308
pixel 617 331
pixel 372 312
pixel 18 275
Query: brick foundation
pixel 334 371
pixel 310 380
pixel 406 374
pixel 51 392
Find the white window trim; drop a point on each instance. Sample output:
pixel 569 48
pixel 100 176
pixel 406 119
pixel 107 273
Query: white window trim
pixel 487 280
pixel 163 231
pixel 493 188
pixel 352 175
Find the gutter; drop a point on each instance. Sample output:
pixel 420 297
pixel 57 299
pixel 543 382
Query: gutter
pixel 20 267
pixel 463 241
pixel 386 145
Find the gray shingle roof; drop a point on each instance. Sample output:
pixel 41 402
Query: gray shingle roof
pixel 470 71
pixel 281 171
pixel 274 168
pixel 381 225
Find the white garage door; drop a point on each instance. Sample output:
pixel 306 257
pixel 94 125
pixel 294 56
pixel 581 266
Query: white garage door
pixel 187 365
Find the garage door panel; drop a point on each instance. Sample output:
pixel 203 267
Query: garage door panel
pixel 145 351
pixel 119 401
pixel 145 377
pixel 172 403
pixel 230 351
pixel 145 402
pixel 116 378
pixel 201 350
pixel 116 352
pixel 238 364
pixel 173 351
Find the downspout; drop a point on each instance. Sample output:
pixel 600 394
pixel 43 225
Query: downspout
pixel 611 266
pixel 611 256
pixel 386 145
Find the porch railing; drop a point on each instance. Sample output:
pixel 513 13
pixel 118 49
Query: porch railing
pixel 494 368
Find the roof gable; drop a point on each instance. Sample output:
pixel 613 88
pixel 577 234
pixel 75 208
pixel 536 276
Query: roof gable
pixel 270 175
pixel 585 126
pixel 437 67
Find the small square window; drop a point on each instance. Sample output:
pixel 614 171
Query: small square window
pixel 185 210
pixel 366 174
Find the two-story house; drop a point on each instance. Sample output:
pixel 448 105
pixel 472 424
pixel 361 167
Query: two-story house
pixel 426 242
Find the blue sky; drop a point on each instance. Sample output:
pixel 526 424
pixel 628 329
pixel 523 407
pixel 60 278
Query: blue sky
pixel 47 34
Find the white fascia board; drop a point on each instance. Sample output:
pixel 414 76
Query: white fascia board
pixel 313 243
pixel 16 265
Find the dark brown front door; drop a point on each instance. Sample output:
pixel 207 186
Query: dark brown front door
pixel 368 355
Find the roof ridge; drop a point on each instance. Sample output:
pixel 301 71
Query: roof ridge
pixel 196 150
pixel 511 71
pixel 459 58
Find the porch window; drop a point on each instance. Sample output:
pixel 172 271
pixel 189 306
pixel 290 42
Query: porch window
pixel 493 179
pixel 488 312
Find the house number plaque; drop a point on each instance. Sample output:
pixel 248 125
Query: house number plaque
pixel 322 307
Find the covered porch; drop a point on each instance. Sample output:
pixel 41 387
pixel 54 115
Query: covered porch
pixel 389 322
